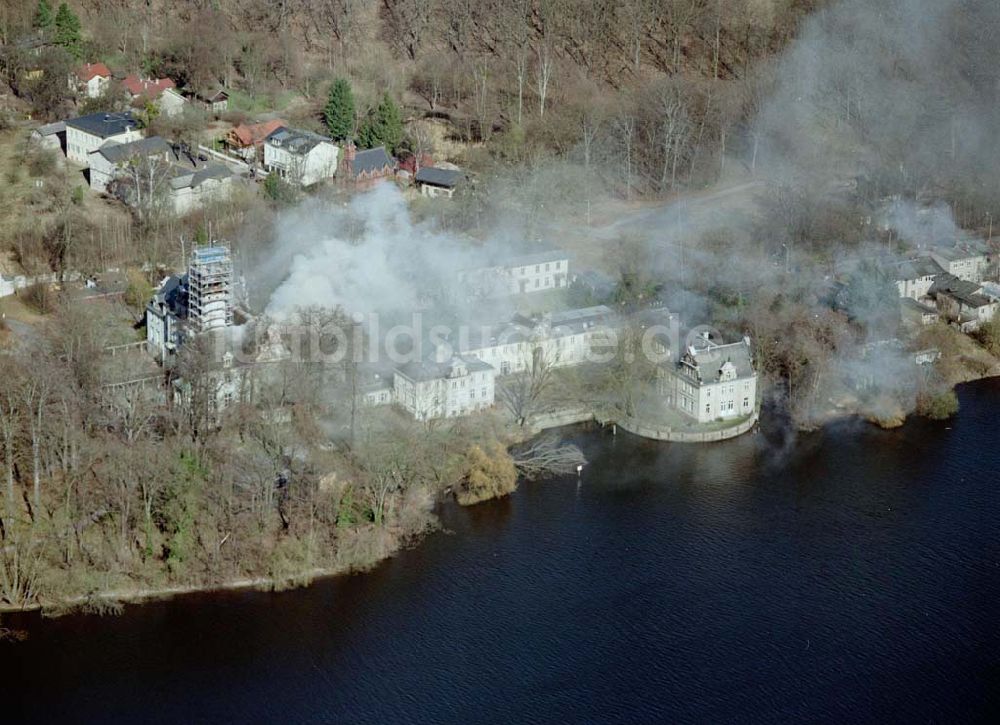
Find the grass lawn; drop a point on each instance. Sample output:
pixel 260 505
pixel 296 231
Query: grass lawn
pixel 260 103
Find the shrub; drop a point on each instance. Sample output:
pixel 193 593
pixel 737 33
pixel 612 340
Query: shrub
pixel 490 474
pixel 938 406
pixel 41 162
pixel 278 190
pixel 39 297
pixel 989 336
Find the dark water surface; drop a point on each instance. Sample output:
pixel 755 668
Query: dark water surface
pixel 850 575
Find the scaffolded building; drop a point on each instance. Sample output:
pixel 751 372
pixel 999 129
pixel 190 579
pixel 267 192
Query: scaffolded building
pixel 210 288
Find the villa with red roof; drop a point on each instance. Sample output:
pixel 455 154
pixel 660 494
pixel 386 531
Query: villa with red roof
pixel 161 91
pixel 91 79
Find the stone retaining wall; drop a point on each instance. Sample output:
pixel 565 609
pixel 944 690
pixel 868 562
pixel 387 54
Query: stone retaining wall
pixel 572 416
pixel 677 436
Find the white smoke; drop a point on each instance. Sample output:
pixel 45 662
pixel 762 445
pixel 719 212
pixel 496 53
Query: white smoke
pixel 366 256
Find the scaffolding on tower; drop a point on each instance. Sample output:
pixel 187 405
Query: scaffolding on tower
pixel 210 287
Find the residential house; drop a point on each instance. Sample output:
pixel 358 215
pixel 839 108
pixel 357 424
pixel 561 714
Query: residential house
pixel 165 316
pixel 375 387
pixel 90 132
pixel 368 167
pixel 107 162
pixel 247 140
pixel 967 259
pixel 91 79
pixel 214 101
pixel 432 181
pixel 963 303
pixel 300 157
pixel 711 381
pixel 161 91
pixel 430 390
pixel 50 136
pixel 188 180
pixel 195 182
pixel 523 274
pixel 917 314
pixel 914 277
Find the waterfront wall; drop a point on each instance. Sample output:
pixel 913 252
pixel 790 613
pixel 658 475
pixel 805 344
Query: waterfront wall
pixel 572 416
pixel 678 436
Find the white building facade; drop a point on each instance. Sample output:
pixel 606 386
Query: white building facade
pixel 711 382
pixel 88 133
pixel 431 390
pixel 524 274
pixel 300 157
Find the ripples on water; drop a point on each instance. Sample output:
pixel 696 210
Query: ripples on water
pixel 851 575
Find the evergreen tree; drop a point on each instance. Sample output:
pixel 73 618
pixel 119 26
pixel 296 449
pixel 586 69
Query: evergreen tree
pixel 339 110
pixel 68 31
pixel 382 127
pixel 43 15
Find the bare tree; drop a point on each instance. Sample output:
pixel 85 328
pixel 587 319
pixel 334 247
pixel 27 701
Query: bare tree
pixel 674 130
pixel 624 125
pixel 543 74
pixel 10 418
pixel 547 456
pixel 523 394
pixel 143 184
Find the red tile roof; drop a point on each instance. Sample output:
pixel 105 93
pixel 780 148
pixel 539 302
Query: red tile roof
pixel 253 134
pixel 147 87
pixel 92 70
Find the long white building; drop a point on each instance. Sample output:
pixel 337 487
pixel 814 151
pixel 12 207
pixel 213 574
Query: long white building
pixel 429 390
pixel 518 275
pixel 558 339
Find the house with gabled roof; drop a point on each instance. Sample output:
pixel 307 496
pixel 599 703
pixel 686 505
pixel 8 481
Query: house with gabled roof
pixel 963 303
pixel 914 277
pixel 195 182
pixel 300 157
pixel 368 167
pixel 50 136
pixel 161 91
pixel 187 180
pixel 215 100
pixel 433 181
pixel 107 162
pixel 247 139
pixel 967 259
pixel 90 132
pixel 90 79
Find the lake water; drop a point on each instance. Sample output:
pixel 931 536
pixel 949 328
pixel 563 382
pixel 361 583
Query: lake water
pixel 848 575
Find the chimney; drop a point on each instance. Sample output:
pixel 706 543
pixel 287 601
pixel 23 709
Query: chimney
pixel 350 150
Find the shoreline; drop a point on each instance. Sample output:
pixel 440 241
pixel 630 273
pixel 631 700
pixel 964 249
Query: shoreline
pixel 78 604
